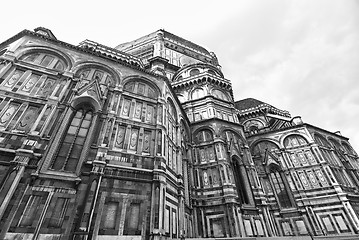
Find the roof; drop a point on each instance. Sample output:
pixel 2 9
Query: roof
pixel 170 39
pixel 247 103
pixel 185 42
pixel 250 105
pixel 86 46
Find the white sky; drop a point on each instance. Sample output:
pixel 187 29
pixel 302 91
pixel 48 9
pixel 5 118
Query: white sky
pixel 301 56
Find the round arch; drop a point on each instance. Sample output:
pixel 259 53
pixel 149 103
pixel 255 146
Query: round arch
pixel 85 65
pixel 38 49
pixel 197 92
pixel 284 137
pixel 137 78
pixel 256 143
pixel 204 134
pixel 220 94
pixel 321 140
pixel 335 143
pixel 348 148
pixel 222 131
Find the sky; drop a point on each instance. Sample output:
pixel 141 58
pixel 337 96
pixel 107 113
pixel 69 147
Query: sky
pixel 297 55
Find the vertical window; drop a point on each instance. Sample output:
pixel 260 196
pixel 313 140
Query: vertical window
pixel 27 120
pixel 120 136
pixel 133 220
pixel 146 142
pixel 8 114
pixel 174 223
pixel 126 107
pixel 30 83
pixel 197 93
pixel 138 110
pixel 280 189
pixel 43 119
pixel 11 81
pixel 88 204
pixel 294 141
pixel 159 142
pixel 150 114
pixel 7 184
pixel 31 210
pixel 58 212
pixel 46 60
pixel 241 178
pixel 166 220
pixel 110 215
pixel 73 142
pixel 133 139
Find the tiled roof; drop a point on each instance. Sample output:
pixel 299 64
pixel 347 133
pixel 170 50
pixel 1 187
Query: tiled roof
pixel 250 104
pixel 247 103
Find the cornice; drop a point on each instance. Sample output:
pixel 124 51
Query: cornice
pixel 83 50
pixel 263 108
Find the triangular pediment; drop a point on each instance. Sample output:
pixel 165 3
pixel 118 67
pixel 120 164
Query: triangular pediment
pixel 234 148
pixel 270 158
pixel 91 89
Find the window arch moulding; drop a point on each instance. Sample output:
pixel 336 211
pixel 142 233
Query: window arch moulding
pixel 46 57
pixel 294 140
pixel 142 87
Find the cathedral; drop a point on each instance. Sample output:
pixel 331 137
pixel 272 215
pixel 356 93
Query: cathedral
pixel 147 141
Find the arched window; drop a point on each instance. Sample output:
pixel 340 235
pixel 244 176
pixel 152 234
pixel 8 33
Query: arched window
pixel 194 72
pixel 294 141
pixel 73 141
pixel 232 137
pixel 141 108
pixel 141 88
pixel 219 94
pixel 327 150
pixel 259 149
pixel 321 141
pixel 45 59
pixel 253 126
pixel 280 188
pixel 172 132
pixel 336 145
pixel 348 149
pixel 197 93
pixel 212 72
pixel 90 74
pixel 258 152
pixel 204 136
